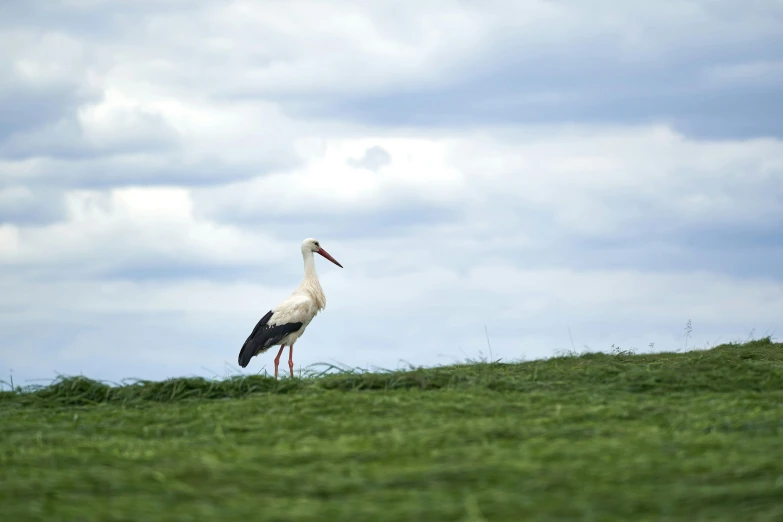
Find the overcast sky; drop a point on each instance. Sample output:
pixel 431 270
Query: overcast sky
pixel 612 168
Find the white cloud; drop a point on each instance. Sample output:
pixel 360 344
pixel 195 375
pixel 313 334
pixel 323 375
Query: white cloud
pixel 40 60
pixel 177 141
pixel 379 318
pixel 594 179
pixel 288 48
pixel 589 180
pixel 118 119
pixel 429 289
pixel 123 228
pixel 327 183
pixel 315 48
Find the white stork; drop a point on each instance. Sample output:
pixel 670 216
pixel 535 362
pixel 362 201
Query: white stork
pixel 286 322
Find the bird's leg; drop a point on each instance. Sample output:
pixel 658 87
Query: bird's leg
pixel 277 359
pixel 291 359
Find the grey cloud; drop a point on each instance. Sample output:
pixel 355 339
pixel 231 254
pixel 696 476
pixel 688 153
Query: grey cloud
pixel 373 159
pixel 391 218
pixel 94 20
pixel 43 76
pixel 25 205
pixel 595 82
pixel 708 252
pixel 671 73
pixel 156 267
pixel 163 169
pixel 66 139
pixel 129 259
pixel 706 112
pixel 181 270
pixel 29 108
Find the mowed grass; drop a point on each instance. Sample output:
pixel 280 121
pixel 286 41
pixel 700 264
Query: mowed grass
pixel 689 436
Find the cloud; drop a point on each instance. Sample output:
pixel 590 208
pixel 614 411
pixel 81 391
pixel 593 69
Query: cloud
pixel 126 229
pixel 612 70
pixel 113 126
pixel 620 234
pixel 41 79
pixel 523 62
pixel 26 205
pixel 373 159
pixel 590 182
pixel 379 318
pixel 528 166
pixel 327 185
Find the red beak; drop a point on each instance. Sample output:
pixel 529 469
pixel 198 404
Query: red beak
pixel 327 256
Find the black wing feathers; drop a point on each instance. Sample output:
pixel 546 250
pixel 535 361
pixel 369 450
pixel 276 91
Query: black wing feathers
pixel 261 323
pixel 263 337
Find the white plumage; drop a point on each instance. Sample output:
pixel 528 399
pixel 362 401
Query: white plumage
pixel 286 322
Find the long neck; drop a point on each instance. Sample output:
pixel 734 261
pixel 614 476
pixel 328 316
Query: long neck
pixel 309 269
pixel 310 281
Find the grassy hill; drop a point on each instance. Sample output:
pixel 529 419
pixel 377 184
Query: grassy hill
pixel 689 436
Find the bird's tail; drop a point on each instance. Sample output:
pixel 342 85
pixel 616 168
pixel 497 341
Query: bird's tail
pixel 245 354
pixel 249 348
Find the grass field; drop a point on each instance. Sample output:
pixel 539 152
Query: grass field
pixel 675 437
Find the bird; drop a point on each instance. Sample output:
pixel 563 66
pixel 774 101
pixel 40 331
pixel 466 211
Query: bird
pixel 284 324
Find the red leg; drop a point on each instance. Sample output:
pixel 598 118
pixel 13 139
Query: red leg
pixel 291 359
pixel 277 359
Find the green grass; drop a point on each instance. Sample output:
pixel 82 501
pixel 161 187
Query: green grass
pixel 690 436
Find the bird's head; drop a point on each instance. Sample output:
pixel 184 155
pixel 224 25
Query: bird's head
pixel 312 245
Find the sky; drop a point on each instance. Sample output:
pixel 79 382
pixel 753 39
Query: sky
pixel 526 178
